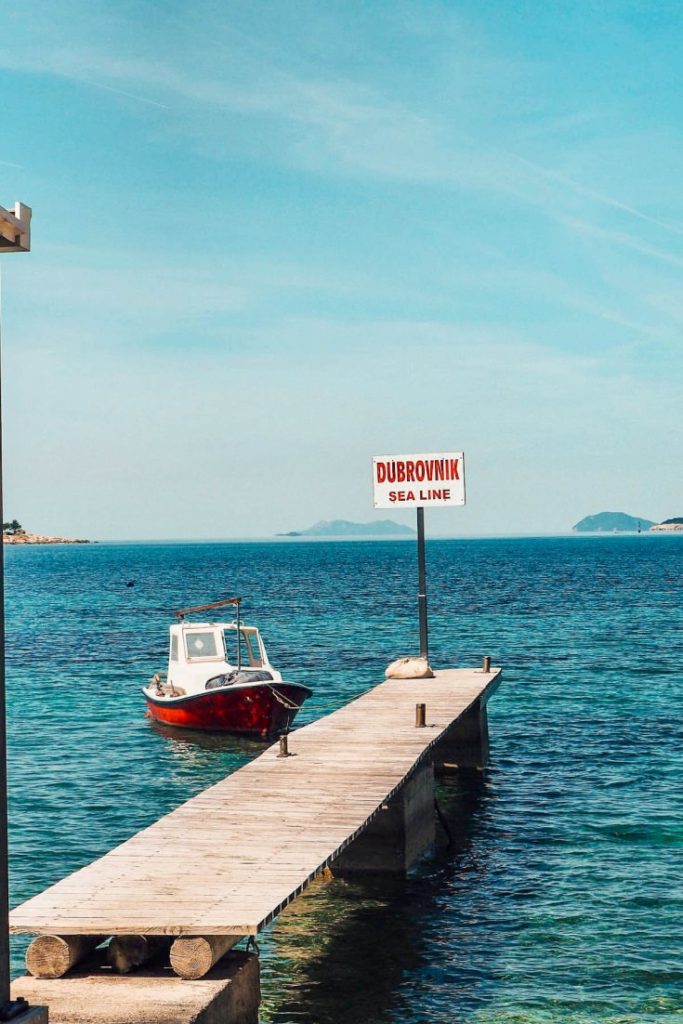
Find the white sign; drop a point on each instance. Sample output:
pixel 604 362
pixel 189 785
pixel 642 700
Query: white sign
pixel 436 480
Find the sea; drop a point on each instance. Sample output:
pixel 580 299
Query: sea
pixel 560 896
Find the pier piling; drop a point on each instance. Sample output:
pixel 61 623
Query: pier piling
pixel 465 744
pixel 399 835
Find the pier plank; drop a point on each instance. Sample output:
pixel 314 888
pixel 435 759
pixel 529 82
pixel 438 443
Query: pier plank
pixel 231 858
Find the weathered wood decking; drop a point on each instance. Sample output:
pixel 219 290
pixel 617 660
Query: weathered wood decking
pixel 230 859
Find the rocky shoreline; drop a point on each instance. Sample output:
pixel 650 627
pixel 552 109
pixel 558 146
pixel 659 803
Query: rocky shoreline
pixel 39 538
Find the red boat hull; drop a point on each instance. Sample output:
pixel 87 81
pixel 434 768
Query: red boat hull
pixel 256 710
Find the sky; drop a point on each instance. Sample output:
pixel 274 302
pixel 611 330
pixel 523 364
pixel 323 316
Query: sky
pixel 273 239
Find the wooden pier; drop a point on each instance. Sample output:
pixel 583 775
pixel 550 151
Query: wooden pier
pixel 353 792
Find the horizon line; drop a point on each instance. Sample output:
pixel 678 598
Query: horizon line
pixel 275 539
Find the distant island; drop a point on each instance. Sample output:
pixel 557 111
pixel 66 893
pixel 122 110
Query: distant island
pixel 612 522
pixel 345 528
pixel 14 533
pixel 620 522
pixel 674 525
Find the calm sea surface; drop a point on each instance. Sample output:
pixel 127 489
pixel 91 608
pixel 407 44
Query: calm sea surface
pixel 563 897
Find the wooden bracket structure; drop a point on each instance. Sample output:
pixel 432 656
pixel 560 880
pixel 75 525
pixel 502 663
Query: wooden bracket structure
pixel 15 229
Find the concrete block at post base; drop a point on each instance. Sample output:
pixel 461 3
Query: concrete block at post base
pixel 34 1015
pixel 94 994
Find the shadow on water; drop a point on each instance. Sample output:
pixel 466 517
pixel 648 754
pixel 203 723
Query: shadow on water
pixel 350 951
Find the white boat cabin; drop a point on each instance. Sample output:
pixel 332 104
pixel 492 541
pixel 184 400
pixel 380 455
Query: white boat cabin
pixel 200 651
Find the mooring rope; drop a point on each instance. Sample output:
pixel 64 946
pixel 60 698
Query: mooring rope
pixel 335 707
pixel 290 705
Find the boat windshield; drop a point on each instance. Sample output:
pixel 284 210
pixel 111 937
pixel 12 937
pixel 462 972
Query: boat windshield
pixel 250 651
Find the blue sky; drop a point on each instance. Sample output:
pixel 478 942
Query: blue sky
pixel 273 239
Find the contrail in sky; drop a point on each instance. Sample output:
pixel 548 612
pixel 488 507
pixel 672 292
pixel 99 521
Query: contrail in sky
pixel 582 190
pixel 119 92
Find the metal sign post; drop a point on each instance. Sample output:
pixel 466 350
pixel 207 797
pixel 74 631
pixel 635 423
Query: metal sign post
pixel 436 480
pixel 422 584
pixel 15 236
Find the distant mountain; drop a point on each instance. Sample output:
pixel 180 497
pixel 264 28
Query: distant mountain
pixel 345 528
pixel 612 522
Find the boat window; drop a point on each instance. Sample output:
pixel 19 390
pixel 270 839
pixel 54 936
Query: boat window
pixel 201 645
pixel 174 648
pixel 254 650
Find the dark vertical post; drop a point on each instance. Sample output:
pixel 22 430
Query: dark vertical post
pixel 19 240
pixel 239 639
pixel 284 746
pixel 4 869
pixel 422 583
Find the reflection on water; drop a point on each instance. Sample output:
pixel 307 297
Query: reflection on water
pixel 187 743
pixel 341 952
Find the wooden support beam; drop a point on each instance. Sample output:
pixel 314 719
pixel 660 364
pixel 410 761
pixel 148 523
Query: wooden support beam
pixel 15 229
pixel 193 956
pixel 51 956
pixel 126 952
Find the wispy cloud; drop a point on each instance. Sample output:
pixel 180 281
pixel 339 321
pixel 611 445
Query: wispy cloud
pixel 234 94
pixel 346 127
pixel 329 121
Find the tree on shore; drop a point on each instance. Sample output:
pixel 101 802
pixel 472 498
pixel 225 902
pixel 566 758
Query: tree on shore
pixel 12 528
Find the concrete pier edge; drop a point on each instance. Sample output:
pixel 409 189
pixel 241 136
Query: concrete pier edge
pixel 95 994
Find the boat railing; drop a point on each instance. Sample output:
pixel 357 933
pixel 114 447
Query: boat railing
pixel 208 607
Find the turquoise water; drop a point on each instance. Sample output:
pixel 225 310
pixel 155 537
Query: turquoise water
pixel 562 899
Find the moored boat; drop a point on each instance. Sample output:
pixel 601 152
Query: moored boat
pixel 220 678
